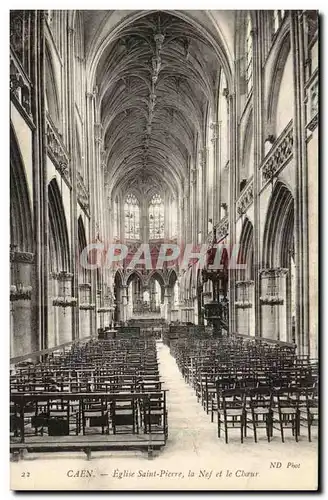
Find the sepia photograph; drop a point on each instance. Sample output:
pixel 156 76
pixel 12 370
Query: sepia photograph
pixel 164 218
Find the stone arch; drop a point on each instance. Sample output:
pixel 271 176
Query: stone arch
pixel 82 243
pixel 283 51
pixel 246 158
pixel 58 234
pixel 279 264
pixel 132 275
pixel 172 277
pixel 279 227
pixel 101 41
pixel 246 251
pixel 52 93
pixel 159 276
pixel 180 120
pixel 23 335
pixel 21 225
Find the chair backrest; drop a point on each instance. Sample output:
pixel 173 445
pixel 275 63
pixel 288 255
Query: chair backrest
pixel 233 399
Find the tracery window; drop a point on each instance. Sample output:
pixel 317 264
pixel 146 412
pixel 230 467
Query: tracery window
pixel 20 36
pixel 249 55
pixel 132 217
pixel 156 218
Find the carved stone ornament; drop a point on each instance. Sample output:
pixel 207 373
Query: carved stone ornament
pixel 62 276
pixel 20 87
pixel 245 284
pixel 220 230
pixel 57 151
pixel 25 257
pixel 82 193
pixel 276 272
pixel 279 155
pixel 245 199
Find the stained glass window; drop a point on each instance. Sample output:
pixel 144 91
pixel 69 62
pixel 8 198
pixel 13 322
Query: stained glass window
pixel 156 218
pixel 132 217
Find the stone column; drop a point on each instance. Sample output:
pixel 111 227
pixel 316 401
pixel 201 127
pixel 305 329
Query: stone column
pixel 85 308
pixel 181 228
pixel 64 286
pixel 90 111
pixel 40 193
pixel 187 214
pixel 72 148
pixel 194 206
pixel 258 157
pixel 232 202
pixel 214 214
pixel 245 307
pixel 274 303
pixel 21 293
pixel 301 185
pixel 167 303
pixel 124 302
pixel 203 202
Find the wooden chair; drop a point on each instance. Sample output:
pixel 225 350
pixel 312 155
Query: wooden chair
pixel 259 414
pixel 285 411
pixel 231 411
pixel 124 415
pixel 309 412
pixel 95 412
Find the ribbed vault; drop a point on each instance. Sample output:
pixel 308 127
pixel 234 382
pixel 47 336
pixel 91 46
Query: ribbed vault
pixel 155 82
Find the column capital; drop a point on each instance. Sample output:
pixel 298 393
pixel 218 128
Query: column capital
pixel 215 127
pixel 202 157
pixel 276 272
pixel 91 94
pixel 98 132
pixel 193 175
pixel 103 153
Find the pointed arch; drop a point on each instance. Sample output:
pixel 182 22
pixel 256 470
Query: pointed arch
pixel 58 234
pixel 81 234
pixel 247 150
pixel 52 94
pixel 172 277
pixel 132 276
pixel 275 82
pixel 156 217
pixel 246 251
pixel 158 276
pixel 279 227
pixel 21 226
pixel 82 242
pixel 132 214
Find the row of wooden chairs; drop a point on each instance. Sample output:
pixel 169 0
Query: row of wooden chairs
pixel 107 387
pixel 233 377
pixel 265 408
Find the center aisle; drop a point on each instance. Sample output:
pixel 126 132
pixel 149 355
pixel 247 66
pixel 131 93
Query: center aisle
pixel 193 458
pixel 190 428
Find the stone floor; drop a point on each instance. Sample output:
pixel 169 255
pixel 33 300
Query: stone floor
pixel 193 458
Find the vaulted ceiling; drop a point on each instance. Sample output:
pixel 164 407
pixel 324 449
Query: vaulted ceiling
pixel 155 81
